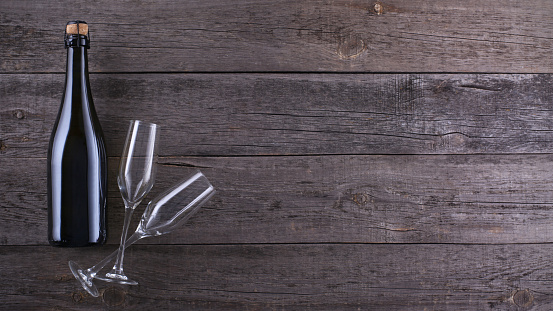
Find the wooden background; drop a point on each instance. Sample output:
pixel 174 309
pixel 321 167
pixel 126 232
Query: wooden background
pixel 388 155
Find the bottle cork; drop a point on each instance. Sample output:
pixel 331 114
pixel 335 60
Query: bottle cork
pixel 77 28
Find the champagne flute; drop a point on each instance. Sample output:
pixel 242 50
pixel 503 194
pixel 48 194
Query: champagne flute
pixel 136 177
pixel 165 213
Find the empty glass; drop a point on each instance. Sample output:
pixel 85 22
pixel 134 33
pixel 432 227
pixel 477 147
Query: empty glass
pixel 163 214
pixel 136 178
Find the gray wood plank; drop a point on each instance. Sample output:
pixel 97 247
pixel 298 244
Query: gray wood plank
pixel 289 114
pixel 290 277
pixel 325 199
pixel 284 35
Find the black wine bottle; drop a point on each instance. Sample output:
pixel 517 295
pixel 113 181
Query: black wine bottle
pixel 77 164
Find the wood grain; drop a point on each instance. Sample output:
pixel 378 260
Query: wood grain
pixel 368 155
pixel 290 277
pixel 326 199
pixel 284 35
pixel 295 114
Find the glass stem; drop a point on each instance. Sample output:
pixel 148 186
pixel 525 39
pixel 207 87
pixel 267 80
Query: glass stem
pixel 118 267
pixel 92 271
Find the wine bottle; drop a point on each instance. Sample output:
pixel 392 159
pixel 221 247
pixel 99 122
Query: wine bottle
pixel 77 164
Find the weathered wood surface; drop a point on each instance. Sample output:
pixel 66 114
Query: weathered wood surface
pixel 291 114
pixel 343 35
pixel 327 199
pixel 290 277
pixel 373 155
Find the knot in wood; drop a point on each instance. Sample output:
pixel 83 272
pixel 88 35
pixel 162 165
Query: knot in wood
pixel 351 46
pixel 360 198
pixel 20 114
pixel 523 298
pixel 77 297
pixel 378 8
pixel 114 296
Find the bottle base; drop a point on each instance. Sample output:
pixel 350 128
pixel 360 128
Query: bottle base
pixel 74 244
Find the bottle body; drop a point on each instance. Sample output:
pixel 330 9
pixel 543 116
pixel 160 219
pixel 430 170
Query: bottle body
pixel 77 163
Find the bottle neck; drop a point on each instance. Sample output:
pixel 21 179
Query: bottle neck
pixel 77 68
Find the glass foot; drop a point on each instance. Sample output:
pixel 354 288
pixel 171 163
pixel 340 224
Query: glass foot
pixel 117 278
pixel 84 279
